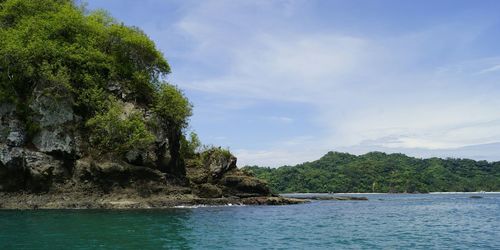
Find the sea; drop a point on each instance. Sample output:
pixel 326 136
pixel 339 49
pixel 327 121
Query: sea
pixel 385 221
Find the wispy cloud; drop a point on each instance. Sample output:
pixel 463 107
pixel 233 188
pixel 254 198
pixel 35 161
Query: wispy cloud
pixel 490 69
pixel 417 88
pixel 363 88
pixel 280 119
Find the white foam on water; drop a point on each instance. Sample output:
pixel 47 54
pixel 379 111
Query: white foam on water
pixel 203 206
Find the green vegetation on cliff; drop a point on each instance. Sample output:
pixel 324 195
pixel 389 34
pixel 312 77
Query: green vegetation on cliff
pixel 109 74
pixel 380 172
pixel 85 114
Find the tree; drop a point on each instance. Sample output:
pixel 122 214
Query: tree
pixel 173 110
pixel 380 172
pixel 57 49
pixel 57 46
pixel 172 107
pixel 115 132
pixel 190 147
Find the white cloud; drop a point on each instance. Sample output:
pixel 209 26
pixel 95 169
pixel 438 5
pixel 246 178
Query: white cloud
pixel 490 69
pixel 275 157
pixel 363 88
pixel 280 119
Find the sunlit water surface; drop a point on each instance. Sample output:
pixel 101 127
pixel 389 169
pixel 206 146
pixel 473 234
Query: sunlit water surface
pixel 437 221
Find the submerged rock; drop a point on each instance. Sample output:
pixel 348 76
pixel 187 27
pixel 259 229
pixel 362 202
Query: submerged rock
pixel 475 197
pixel 325 197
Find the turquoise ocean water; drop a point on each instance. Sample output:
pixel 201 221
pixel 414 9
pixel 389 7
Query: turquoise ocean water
pixel 389 221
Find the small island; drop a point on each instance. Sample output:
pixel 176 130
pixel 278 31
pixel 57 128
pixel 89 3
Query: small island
pixel 87 119
pixel 378 172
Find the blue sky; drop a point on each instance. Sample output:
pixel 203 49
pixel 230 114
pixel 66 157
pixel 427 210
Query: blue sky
pixel 283 82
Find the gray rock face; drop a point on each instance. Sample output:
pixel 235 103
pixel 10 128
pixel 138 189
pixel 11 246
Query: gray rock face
pixel 15 138
pixel 52 112
pixel 219 166
pixel 116 89
pixel 22 168
pixel 57 122
pixel 146 158
pixel 12 130
pixel 133 157
pixel 43 167
pixel 11 157
pixel 111 174
pixel 53 155
pixel 54 140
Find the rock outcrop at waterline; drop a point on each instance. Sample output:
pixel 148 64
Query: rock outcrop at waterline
pixel 85 113
pixel 55 168
pixel 56 153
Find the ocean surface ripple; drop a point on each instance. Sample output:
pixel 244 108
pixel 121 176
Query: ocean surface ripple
pixel 386 221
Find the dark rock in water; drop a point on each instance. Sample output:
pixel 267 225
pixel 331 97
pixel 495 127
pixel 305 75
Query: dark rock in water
pixel 271 201
pixel 325 198
pixel 147 158
pixel 350 198
pixel 125 199
pixel 475 197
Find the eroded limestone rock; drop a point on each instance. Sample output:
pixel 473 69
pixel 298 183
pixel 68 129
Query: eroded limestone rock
pixel 54 140
pixel 219 163
pixel 24 169
pixel 57 123
pixel 111 173
pixel 12 130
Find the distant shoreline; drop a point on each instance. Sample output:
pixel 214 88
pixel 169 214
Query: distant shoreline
pixel 378 172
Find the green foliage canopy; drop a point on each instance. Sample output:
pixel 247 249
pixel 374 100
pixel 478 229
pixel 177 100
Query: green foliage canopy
pixel 191 146
pixel 93 62
pixel 172 107
pixel 115 131
pixel 56 44
pixel 380 172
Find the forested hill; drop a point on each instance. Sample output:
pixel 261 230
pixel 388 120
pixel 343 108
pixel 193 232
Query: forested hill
pixel 380 172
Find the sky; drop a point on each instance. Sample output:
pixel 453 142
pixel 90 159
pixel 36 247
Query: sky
pixel 281 82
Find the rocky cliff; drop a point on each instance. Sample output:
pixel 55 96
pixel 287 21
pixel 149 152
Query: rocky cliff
pixel 87 119
pixel 56 163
